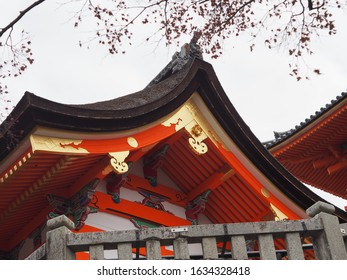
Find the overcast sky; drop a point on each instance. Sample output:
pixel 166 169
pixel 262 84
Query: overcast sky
pixel 258 83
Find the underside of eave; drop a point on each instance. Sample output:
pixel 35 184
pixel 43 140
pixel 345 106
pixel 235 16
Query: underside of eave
pixel 24 193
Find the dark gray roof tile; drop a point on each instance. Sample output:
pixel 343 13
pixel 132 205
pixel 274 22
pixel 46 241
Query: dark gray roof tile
pixel 281 136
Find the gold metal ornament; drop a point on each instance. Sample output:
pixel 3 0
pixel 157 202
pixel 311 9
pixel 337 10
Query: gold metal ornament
pixel 198 147
pixel 198 135
pixel 118 163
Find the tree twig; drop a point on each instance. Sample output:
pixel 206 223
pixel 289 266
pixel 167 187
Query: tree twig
pixel 18 18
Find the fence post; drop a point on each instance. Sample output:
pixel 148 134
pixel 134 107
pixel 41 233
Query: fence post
pixel 209 248
pixel 267 247
pixel 238 247
pixel 328 244
pixel 56 245
pixel 180 246
pixel 153 251
pixel 125 251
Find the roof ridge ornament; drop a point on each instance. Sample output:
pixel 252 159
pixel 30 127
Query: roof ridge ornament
pixel 189 51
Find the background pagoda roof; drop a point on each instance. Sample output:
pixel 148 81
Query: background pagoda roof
pixel 285 135
pixel 316 150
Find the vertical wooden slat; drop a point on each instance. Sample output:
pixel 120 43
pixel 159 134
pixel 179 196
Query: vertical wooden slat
pixel 153 249
pixel 267 247
pixel 294 246
pixel 125 251
pixel 209 248
pixel 96 252
pixel 181 249
pixel 238 248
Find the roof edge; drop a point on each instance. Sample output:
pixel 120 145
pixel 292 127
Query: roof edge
pixel 281 137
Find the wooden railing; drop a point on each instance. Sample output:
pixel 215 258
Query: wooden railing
pixel 322 234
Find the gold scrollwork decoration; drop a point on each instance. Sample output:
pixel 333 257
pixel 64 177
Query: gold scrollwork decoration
pixel 197 136
pixel 199 147
pixel 118 163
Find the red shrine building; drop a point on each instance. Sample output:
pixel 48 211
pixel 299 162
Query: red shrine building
pixel 175 153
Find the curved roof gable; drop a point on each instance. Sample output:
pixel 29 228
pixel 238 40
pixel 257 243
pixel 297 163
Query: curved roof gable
pixel 151 104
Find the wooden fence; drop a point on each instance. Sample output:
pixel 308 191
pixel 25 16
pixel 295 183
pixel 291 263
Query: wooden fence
pixel 322 234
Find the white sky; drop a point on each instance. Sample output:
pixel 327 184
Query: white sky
pixel 258 83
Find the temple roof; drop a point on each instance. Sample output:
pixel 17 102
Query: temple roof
pixel 315 151
pixel 246 179
pixel 282 136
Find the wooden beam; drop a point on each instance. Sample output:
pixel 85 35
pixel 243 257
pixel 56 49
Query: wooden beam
pixel 212 182
pixel 337 167
pixel 137 210
pixel 298 160
pixel 168 141
pixel 136 155
pixel 103 168
pixel 171 195
pixel 319 163
pixel 312 131
pixel 143 139
pixel 15 166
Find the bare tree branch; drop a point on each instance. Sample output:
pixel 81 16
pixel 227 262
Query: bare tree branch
pixel 18 18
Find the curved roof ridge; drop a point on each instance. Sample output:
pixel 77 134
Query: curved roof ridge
pixel 142 97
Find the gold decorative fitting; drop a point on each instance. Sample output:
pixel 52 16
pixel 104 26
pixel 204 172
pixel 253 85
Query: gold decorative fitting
pixel 198 147
pixel 132 142
pixel 117 162
pixel 196 130
pixel 265 193
pixel 279 215
pixel 198 135
pixel 58 145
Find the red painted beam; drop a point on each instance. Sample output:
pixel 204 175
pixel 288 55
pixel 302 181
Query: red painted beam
pixel 171 195
pixel 137 210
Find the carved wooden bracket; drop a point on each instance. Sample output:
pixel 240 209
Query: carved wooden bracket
pixel 152 163
pixel 77 207
pixel 196 207
pixel 115 181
